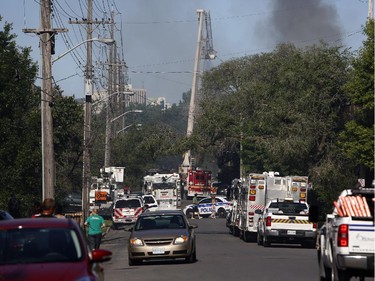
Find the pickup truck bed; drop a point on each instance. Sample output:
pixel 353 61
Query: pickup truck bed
pixel 346 243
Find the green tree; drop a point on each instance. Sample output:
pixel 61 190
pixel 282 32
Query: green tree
pixel 357 140
pixel 20 152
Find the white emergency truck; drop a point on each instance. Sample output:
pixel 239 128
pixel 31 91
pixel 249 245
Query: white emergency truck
pixel 165 188
pixel 286 221
pixel 346 241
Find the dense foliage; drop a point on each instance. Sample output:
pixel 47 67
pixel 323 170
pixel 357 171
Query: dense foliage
pixel 20 125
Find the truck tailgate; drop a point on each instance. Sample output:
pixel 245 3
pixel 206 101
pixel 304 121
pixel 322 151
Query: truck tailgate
pixel 291 222
pixel 361 237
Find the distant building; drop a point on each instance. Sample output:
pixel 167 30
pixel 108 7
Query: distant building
pixel 120 101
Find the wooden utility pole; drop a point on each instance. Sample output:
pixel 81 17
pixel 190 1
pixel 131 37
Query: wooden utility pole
pixel 111 90
pixel 369 13
pixel 47 35
pixel 86 178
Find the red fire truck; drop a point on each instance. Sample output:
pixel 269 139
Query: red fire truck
pixel 198 182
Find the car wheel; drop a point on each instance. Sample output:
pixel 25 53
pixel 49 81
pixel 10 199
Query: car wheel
pixel 114 226
pixel 221 213
pixel 192 257
pixel 323 269
pixel 189 213
pixel 340 275
pixel 259 239
pixel 266 243
pixel 236 231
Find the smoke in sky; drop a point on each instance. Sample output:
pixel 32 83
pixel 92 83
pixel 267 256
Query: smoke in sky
pixel 300 22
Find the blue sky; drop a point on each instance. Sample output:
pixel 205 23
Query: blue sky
pixel 158 37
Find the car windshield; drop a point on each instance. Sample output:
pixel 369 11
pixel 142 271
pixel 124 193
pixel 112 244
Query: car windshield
pixel 288 208
pixel 148 199
pixel 160 222
pixel 131 203
pixel 39 245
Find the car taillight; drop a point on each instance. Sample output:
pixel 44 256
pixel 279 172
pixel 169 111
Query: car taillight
pixel 315 225
pixel 252 186
pixel 343 236
pixel 251 213
pixel 252 198
pixel 268 221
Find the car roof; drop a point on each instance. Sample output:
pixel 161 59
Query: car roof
pixel 162 212
pixel 38 223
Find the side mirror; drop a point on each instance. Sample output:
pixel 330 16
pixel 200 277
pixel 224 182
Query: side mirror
pixel 314 214
pixel 101 255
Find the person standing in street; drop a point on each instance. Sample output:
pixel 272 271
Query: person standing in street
pixel 95 222
pixel 195 207
pixel 213 207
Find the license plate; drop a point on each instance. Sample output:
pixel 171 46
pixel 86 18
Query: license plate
pixel 158 251
pixel 291 232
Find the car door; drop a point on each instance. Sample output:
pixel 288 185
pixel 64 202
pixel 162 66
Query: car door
pixel 205 206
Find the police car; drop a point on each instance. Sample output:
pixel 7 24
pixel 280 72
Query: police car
pixel 222 206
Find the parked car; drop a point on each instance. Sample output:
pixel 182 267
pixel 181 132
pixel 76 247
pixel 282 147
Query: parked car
pixel 126 211
pixel 4 215
pixel 222 205
pixel 162 235
pixel 150 202
pixel 47 249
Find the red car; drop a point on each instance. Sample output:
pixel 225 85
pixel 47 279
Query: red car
pixel 47 249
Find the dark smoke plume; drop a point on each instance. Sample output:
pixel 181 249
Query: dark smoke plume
pixel 300 22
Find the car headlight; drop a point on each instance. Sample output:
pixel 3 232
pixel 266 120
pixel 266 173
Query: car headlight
pixel 181 239
pixel 136 242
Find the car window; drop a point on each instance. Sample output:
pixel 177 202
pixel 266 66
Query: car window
pixel 160 222
pixel 205 200
pixel 288 207
pixel 39 245
pixel 131 203
pixel 148 199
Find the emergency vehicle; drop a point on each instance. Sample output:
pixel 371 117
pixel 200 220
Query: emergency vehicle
pixel 222 207
pixel 126 210
pixel 286 221
pixel 255 192
pixel 107 188
pixel 198 182
pixel 165 188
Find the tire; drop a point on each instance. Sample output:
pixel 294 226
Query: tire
pixel 259 239
pixel 246 236
pixel 323 269
pixel 221 213
pixel 192 257
pixel 189 212
pixel 236 231
pixel 340 275
pixel 114 226
pixel 266 243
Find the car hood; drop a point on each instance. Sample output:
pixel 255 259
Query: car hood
pixel 159 233
pixel 43 271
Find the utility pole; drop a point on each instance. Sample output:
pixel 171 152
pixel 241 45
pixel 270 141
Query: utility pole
pixel 369 14
pixel 111 89
pixel 47 38
pixel 86 178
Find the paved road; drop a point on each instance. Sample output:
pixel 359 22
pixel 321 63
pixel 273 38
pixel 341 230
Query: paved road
pixel 221 256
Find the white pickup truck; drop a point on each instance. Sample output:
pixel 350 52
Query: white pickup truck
pixel 345 244
pixel 286 221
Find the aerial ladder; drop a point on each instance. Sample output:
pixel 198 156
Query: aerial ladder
pixel 204 50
